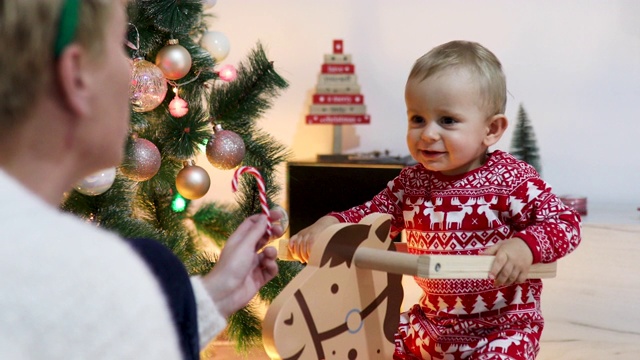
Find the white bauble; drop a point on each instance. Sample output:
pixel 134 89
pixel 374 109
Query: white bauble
pixel 97 183
pixel 208 4
pixel 217 44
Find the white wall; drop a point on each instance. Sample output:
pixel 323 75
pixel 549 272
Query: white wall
pixel 575 65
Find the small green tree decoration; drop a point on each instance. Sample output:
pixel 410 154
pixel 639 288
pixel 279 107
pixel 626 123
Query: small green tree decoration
pixel 523 143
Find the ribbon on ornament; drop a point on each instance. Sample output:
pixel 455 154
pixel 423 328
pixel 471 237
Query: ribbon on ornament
pixel 261 190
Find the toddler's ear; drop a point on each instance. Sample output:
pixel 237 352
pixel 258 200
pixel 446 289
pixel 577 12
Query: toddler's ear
pixel 496 126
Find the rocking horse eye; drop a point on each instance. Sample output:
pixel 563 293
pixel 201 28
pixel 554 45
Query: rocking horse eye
pixel 334 288
pixel 289 321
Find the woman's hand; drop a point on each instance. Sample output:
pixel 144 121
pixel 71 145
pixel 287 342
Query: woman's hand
pixel 241 269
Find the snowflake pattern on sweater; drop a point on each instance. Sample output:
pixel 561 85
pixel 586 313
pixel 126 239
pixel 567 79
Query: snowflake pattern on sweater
pixel 464 215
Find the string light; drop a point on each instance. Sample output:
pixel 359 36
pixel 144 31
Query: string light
pixel 178 204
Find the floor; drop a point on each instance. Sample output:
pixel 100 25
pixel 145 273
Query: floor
pixel 591 307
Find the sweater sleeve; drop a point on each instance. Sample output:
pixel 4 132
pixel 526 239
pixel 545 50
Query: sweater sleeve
pixel 210 321
pixel 550 228
pixel 388 201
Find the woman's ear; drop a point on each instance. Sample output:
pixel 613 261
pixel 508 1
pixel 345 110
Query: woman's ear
pixel 496 127
pixel 72 80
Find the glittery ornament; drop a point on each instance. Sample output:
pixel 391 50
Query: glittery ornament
pixel 97 183
pixel 142 160
pixel 227 72
pixel 216 43
pixel 192 181
pixel 174 60
pixel 148 86
pixel 178 107
pixel 225 149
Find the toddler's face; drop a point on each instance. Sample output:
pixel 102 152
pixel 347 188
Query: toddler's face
pixel 448 122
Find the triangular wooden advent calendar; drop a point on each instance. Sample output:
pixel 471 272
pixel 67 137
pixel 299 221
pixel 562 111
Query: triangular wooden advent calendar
pixel 337 99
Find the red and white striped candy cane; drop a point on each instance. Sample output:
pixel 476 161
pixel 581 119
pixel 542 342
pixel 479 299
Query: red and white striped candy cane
pixel 261 190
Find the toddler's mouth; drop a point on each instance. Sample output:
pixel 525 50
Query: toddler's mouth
pixel 432 152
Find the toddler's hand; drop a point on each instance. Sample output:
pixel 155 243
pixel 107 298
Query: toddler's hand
pixel 512 262
pixel 301 243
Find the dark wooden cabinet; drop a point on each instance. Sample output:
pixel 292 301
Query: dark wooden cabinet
pixel 317 188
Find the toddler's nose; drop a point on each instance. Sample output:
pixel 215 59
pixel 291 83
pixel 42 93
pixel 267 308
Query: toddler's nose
pixel 430 132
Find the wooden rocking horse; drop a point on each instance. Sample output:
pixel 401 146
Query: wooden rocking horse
pixel 345 304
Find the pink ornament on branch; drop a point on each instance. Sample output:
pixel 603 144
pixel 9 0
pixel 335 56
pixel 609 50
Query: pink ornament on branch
pixel 261 190
pixel 178 107
pixel 148 86
pixel 225 150
pixel 142 160
pixel 227 72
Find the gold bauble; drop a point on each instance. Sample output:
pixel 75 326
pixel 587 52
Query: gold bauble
pixel 174 60
pixel 193 182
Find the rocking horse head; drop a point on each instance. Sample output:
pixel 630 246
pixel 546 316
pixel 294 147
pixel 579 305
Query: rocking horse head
pixel 333 309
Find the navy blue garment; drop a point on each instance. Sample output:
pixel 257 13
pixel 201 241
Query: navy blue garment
pixel 176 285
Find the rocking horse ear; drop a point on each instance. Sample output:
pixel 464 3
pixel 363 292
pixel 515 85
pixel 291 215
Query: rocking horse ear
pixel 382 232
pixel 343 244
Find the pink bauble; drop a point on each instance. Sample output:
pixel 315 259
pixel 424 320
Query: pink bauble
pixel 148 86
pixel 178 107
pixel 142 160
pixel 225 149
pixel 227 72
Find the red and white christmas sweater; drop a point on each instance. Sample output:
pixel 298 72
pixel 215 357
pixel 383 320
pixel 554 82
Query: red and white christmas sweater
pixel 464 215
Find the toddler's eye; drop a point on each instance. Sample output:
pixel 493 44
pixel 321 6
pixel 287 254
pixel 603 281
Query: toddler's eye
pixel 416 120
pixel 446 120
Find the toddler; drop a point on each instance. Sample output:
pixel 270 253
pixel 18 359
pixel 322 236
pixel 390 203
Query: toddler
pixel 461 199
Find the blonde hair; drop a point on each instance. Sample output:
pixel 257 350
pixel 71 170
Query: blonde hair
pixel 482 63
pixel 27 57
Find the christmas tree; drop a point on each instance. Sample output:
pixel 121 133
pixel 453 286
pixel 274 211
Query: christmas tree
pixel 182 106
pixel 523 143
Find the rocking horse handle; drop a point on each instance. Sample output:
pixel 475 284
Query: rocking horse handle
pixel 427 266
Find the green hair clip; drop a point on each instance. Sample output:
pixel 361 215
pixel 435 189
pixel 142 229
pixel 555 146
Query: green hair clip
pixel 69 17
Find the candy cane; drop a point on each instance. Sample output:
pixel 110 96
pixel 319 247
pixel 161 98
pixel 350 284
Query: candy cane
pixel 261 189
